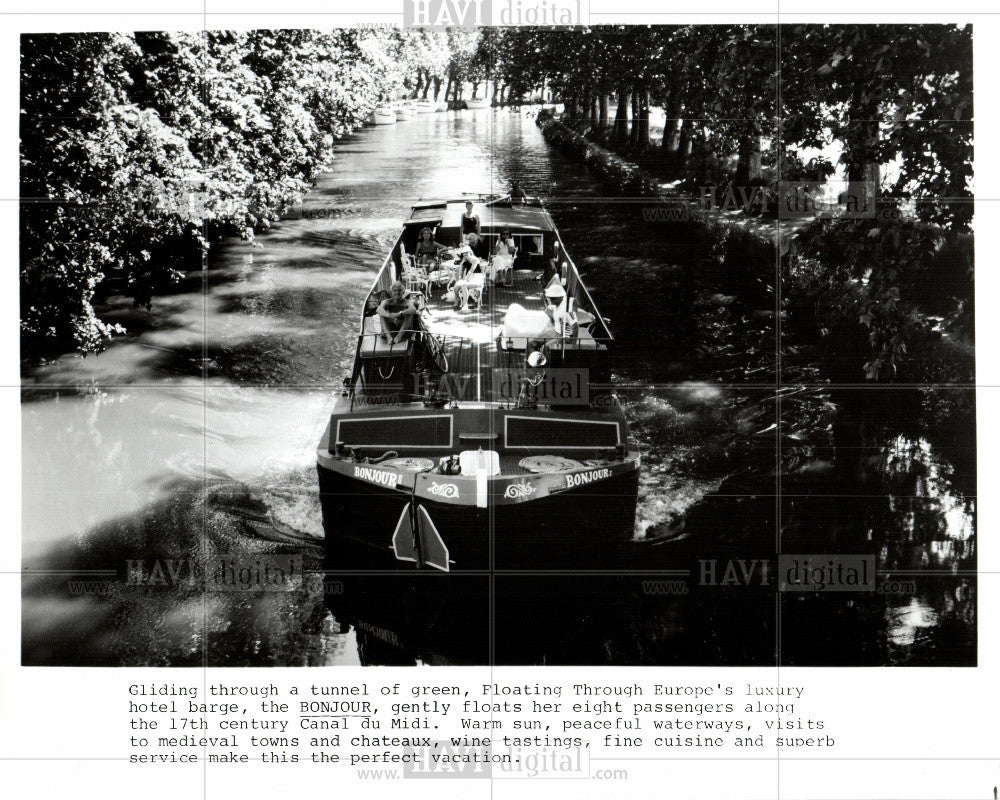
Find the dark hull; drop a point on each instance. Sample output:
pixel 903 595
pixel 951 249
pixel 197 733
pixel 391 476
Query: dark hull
pixel 587 527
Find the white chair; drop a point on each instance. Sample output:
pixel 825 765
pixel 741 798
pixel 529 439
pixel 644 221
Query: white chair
pixel 412 276
pixel 476 287
pixel 472 288
pixel 443 275
pixel 502 266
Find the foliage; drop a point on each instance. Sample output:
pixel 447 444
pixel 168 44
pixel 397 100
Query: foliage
pixel 138 149
pixel 870 273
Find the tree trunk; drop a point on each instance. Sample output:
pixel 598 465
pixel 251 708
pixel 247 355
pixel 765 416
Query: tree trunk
pixel 447 90
pixel 633 129
pixel 672 123
pixel 602 109
pixel 862 167
pixel 427 85
pixel 861 154
pixel 640 118
pixel 620 131
pixel 684 141
pixel 419 84
pixel 748 164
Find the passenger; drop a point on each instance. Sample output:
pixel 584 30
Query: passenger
pixel 396 314
pixel 471 269
pixel 475 249
pixel 504 253
pixel 470 221
pixel 428 250
pixel 552 268
pixel 517 194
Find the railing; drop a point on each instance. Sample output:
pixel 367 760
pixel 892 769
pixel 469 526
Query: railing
pixel 440 370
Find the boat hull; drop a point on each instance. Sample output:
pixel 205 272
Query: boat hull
pixel 585 527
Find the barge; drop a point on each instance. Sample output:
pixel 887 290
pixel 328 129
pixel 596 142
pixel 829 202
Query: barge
pixel 489 437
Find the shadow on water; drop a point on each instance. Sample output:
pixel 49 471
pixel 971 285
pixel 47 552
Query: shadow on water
pixel 128 593
pixel 195 434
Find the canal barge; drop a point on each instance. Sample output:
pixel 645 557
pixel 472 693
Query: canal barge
pixel 488 437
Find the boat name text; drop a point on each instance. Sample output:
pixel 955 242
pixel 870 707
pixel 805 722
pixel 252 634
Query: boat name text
pixel 581 478
pixel 382 478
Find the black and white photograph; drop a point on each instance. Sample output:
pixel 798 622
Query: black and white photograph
pixel 533 345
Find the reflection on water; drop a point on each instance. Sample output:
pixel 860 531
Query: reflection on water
pixel 195 436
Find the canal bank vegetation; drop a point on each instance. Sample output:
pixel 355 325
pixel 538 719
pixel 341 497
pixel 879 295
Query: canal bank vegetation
pixel 880 114
pixel 139 150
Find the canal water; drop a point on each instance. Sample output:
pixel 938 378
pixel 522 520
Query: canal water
pixel 194 436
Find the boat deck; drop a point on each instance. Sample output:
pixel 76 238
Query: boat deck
pixel 470 337
pixel 479 368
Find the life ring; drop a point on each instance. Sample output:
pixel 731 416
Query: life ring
pixel 410 464
pixel 539 464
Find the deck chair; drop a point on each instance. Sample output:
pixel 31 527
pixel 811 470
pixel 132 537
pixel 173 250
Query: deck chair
pixel 502 267
pixel 475 287
pixel 414 278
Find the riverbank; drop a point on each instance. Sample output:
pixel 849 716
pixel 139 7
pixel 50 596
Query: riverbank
pixel 899 291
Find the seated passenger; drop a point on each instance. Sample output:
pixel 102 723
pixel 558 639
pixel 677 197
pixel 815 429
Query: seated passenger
pixel 552 268
pixel 475 249
pixel 427 250
pixel 557 310
pixel 504 253
pixel 396 314
pixel 472 274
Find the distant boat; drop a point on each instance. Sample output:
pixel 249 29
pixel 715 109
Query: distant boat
pixel 477 103
pixel 441 107
pixel 426 107
pixel 384 115
pixel 404 113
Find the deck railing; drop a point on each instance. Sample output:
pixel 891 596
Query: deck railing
pixel 443 370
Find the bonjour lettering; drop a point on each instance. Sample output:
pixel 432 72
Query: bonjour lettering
pixel 381 477
pixel 582 478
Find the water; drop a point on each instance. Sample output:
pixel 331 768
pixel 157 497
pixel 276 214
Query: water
pixel 195 435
